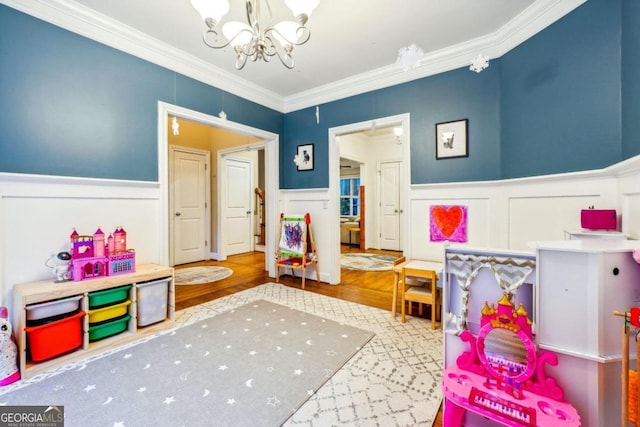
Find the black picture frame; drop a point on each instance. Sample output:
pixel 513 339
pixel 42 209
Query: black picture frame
pixel 305 157
pixel 452 139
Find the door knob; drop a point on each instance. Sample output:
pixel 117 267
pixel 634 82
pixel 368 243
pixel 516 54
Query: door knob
pixel 178 214
pixel 248 212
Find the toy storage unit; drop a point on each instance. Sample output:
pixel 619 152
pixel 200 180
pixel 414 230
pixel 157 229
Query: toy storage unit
pixel 56 323
pixel 580 284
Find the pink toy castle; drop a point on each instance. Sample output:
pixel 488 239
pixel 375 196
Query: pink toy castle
pixel 93 256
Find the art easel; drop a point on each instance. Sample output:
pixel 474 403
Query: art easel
pixel 296 247
pixel 630 384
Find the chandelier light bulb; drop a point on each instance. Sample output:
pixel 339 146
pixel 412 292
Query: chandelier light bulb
pixel 238 33
pixel 302 7
pixel 213 9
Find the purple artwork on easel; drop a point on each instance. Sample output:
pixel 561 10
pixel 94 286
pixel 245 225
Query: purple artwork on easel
pixel 448 223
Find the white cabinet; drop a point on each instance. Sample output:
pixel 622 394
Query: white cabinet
pixel 580 284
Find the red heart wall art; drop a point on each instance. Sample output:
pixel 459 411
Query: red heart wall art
pixel 448 223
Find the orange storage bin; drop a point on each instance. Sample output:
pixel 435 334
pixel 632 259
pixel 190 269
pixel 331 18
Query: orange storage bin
pixel 55 338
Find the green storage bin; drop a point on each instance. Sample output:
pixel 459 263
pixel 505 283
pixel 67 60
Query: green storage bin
pixel 107 329
pixel 109 296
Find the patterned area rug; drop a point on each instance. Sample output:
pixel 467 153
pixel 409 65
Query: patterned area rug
pixel 366 262
pixel 252 365
pixel 395 380
pixel 200 275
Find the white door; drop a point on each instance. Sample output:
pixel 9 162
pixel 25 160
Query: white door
pixel 238 223
pixel 188 195
pixel 390 206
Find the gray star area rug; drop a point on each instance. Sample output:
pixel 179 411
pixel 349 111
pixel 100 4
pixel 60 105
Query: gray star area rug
pixel 266 356
pixel 200 275
pixel 366 262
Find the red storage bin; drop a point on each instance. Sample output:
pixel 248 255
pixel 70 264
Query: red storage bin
pixel 55 338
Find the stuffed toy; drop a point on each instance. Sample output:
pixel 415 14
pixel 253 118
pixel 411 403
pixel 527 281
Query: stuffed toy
pixel 9 372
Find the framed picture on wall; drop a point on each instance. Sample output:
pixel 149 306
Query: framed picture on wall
pixel 452 139
pixel 304 157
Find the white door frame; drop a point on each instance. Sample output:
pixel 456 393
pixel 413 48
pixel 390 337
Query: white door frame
pixel 403 120
pixel 207 198
pixel 271 154
pixel 222 193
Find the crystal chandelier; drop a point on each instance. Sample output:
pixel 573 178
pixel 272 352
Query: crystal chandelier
pixel 251 40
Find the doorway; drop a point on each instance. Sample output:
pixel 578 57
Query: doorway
pixel 237 210
pixel 267 141
pixel 189 215
pixel 373 227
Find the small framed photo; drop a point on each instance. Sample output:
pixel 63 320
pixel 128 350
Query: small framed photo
pixel 452 139
pixel 304 158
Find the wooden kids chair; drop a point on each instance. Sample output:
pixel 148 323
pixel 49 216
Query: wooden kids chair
pixel 428 293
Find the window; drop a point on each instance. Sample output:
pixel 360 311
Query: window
pixel 350 196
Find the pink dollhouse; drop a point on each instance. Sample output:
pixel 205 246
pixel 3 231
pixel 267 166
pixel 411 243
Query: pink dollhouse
pixel 98 255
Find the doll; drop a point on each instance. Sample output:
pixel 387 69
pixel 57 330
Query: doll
pixel 9 372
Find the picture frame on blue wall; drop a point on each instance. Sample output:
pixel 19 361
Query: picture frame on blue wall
pixel 304 157
pixel 452 140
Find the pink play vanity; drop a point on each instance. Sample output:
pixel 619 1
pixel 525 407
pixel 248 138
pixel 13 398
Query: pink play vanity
pixel 502 375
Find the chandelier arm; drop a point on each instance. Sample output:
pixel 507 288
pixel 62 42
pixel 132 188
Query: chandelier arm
pixel 287 59
pixel 214 45
pixel 252 16
pixel 306 35
pixel 241 61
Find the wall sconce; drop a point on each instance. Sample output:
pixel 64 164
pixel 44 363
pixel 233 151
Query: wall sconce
pixel 397 131
pixel 175 126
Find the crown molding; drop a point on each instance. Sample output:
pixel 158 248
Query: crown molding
pixel 531 21
pixel 86 22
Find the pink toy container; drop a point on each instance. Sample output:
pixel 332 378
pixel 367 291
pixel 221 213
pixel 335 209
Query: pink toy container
pixel 122 263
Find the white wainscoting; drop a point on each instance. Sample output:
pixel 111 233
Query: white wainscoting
pixel 38 213
pixel 506 214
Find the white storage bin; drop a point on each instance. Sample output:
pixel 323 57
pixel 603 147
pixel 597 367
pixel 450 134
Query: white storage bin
pixel 53 308
pixel 152 301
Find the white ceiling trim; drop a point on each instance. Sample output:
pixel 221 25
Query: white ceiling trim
pixel 534 19
pixel 86 22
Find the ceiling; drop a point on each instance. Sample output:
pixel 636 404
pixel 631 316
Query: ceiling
pixel 352 49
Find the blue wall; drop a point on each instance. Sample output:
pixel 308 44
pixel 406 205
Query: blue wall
pixel 74 107
pixel 551 105
pixel 565 100
pixel 630 78
pixel 448 96
pixel 560 95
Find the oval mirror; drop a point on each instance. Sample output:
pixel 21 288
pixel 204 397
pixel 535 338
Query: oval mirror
pixel 505 353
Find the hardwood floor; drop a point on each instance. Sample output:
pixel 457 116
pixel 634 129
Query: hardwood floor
pixel 369 288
